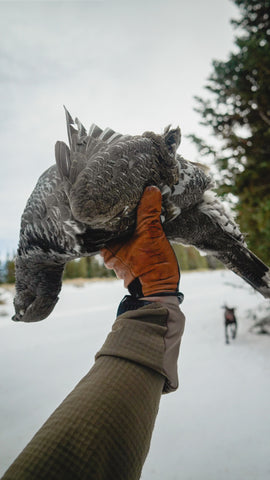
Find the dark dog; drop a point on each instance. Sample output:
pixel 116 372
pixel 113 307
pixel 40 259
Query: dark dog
pixel 230 323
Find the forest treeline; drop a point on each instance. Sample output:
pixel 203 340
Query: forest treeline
pixel 92 267
pixel 235 111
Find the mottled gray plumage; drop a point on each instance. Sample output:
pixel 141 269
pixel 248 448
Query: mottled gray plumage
pixel 90 198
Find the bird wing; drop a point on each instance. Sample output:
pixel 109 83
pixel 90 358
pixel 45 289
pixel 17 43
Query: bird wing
pixel 214 231
pixel 47 222
pixel 194 181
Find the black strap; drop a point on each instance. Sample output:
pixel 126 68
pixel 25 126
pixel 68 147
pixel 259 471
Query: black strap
pixel 130 302
pixel 135 290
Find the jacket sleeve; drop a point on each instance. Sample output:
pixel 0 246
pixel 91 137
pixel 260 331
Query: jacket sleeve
pixel 103 429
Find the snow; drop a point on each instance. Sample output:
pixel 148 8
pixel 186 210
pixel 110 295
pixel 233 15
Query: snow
pixel 216 426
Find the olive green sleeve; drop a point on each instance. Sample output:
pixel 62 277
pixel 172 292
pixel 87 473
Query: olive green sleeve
pixel 102 430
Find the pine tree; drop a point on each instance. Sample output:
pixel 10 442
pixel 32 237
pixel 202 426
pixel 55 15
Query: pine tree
pixel 86 267
pixel 94 268
pixel 82 268
pixel 2 273
pixel 10 269
pixel 189 258
pixel 70 270
pixel 237 111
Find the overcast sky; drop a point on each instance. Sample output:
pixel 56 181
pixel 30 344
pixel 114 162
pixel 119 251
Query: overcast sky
pixel 131 65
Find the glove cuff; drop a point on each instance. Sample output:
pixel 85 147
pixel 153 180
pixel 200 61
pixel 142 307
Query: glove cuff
pixel 130 302
pixel 135 290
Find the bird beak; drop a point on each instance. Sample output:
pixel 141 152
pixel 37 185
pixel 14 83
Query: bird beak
pixel 17 317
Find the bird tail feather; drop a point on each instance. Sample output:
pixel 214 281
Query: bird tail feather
pixel 248 266
pixel 62 157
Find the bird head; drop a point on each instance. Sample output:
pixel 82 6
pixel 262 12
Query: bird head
pixel 167 143
pixel 38 284
pixel 165 147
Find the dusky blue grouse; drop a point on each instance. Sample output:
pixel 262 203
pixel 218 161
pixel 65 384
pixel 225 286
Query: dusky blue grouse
pixel 90 197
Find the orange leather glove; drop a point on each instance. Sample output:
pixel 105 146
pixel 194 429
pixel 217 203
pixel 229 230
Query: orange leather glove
pixel 147 255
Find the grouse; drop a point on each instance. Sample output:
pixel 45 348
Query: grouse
pixel 89 198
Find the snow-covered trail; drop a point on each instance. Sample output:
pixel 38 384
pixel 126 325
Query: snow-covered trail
pixel 216 426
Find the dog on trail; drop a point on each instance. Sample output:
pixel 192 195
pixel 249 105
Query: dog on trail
pixel 230 323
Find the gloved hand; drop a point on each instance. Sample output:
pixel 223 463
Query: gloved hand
pixel 148 266
pixel 148 255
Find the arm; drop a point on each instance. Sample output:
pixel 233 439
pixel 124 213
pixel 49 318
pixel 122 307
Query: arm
pixel 102 430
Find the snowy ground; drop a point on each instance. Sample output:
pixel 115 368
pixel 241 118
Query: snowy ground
pixel 216 426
